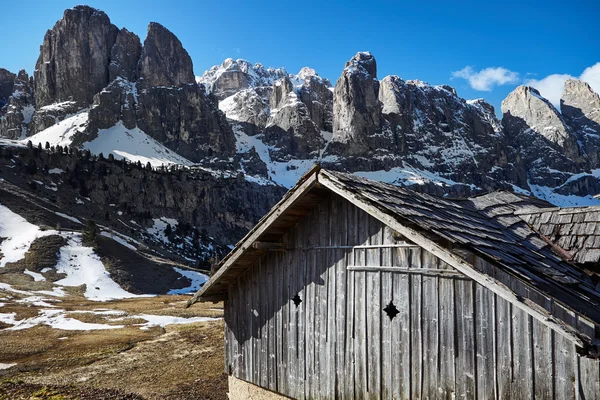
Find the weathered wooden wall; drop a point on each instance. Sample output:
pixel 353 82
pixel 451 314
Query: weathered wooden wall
pixel 451 338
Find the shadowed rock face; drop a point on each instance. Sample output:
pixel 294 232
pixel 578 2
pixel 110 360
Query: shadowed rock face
pixel 356 108
pixel 580 106
pixel 124 56
pixel 164 61
pixel 16 109
pixel 7 82
pixel 74 57
pixel 546 145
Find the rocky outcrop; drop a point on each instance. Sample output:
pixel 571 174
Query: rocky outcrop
pixel 544 142
pixel 187 121
pixel 164 61
pixel 433 128
pixel 17 108
pixel 7 82
pixel 124 56
pixel 290 130
pixel 235 75
pixel 74 57
pixel 315 92
pixel 117 102
pixel 580 107
pixel 356 107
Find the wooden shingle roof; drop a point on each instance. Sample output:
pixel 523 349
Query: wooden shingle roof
pixel 486 225
pixel 575 230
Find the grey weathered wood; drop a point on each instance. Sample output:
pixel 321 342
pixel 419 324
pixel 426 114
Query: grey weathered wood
pixel 484 322
pixel 416 327
pixel 412 270
pixel 374 311
pixel 430 335
pixel 543 361
pixel 465 335
pixel 590 378
pixel 522 361
pixel 504 344
pixel 447 338
pixel 564 356
pixel 452 338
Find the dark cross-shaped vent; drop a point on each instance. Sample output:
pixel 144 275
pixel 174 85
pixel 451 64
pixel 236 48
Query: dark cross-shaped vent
pixel 391 310
pixel 297 300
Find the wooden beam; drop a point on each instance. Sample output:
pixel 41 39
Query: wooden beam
pixel 270 246
pixel 406 270
pixel 450 258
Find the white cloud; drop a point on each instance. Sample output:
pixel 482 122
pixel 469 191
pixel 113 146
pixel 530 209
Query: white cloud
pixel 551 87
pixel 591 75
pixel 487 78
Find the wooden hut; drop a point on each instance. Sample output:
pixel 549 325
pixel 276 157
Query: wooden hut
pixel 354 289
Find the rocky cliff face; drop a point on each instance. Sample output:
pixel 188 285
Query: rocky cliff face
pixel 16 104
pixel 356 107
pixel 544 142
pixel 164 61
pixel 580 107
pixel 74 57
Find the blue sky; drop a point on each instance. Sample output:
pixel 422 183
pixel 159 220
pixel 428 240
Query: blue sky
pixel 426 40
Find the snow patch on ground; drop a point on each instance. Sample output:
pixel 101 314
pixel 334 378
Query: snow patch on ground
pixel 157 231
pixel 55 319
pixel 19 235
pixel 119 240
pixel 83 266
pixel 36 276
pixel 164 320
pixel 72 219
pixel 134 145
pixel 197 279
pixel 62 133
pixel 6 366
pixel 561 200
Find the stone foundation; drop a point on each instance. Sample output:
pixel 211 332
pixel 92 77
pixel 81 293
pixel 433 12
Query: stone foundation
pixel 242 390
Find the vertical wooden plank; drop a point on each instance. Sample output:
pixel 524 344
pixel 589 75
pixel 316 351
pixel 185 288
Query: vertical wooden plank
pixel 564 356
pixel 590 378
pixel 387 350
pixel 253 360
pixel 360 313
pixel 302 288
pixel 416 325
pixel 294 268
pixel 374 311
pixel 340 239
pixel 309 336
pixel 465 334
pixel 360 335
pixel 401 334
pixel 504 342
pixel 447 338
pixel 272 289
pixel 262 307
pixel 543 361
pixel 350 363
pixel 484 323
pixel 522 362
pixel 430 328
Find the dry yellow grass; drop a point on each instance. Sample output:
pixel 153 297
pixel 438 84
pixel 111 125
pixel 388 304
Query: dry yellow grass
pixel 180 361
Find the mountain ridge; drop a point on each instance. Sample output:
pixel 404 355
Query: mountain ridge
pixel 268 124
